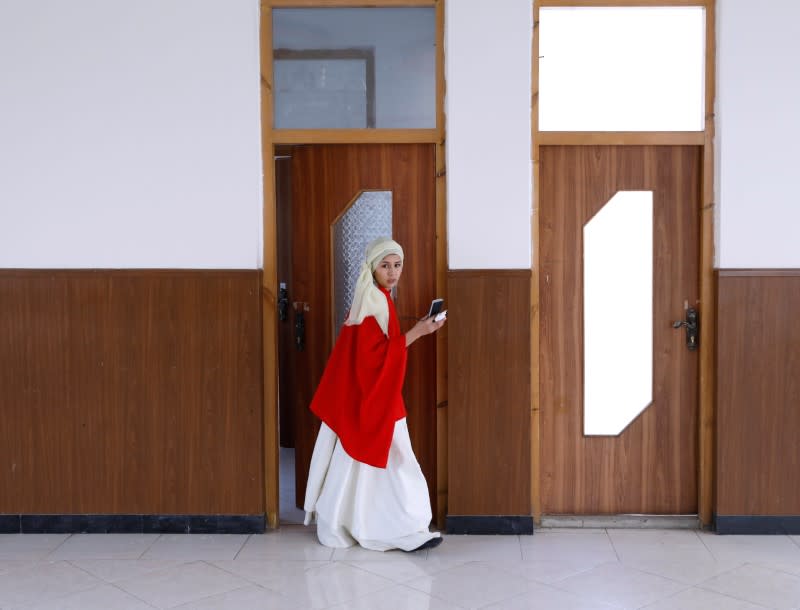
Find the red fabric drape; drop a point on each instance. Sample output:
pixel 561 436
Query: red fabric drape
pixel 359 396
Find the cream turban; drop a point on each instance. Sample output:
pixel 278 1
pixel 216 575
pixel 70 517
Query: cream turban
pixel 368 300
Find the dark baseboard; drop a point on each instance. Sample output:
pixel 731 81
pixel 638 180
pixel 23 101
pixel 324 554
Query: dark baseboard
pixel 489 524
pixel 757 524
pixel 132 524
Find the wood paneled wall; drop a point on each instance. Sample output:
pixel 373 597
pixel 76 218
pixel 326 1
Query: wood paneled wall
pixel 489 406
pixel 758 392
pixel 130 392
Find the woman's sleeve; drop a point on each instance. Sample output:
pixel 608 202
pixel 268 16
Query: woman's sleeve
pixel 380 365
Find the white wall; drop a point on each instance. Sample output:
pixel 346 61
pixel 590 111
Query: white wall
pixel 130 134
pixel 758 130
pixel 488 82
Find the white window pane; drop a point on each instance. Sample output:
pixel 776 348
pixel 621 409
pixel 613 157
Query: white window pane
pixel 621 69
pixel 618 313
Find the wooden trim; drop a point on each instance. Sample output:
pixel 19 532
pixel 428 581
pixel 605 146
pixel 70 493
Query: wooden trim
pixel 355 136
pixel 708 306
pixel 758 272
pixel 441 277
pixel 269 286
pixel 536 467
pixel 623 3
pixel 440 82
pixel 441 339
pixel 348 3
pixel 618 138
pixel 481 273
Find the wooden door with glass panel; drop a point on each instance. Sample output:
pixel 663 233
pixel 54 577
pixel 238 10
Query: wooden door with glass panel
pixel 342 196
pixel 619 239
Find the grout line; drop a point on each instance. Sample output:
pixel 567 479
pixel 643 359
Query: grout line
pixel 133 595
pixel 241 548
pixel 63 542
pixel 613 547
pixel 703 542
pixel 149 546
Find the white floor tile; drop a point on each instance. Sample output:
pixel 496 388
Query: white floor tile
pixel 543 597
pixel 758 585
pixel 182 584
pixel 115 570
pixel 9 565
pixel 43 582
pixel 471 585
pixel 618 585
pixel 269 573
pixel 545 571
pixel 581 546
pixel 403 569
pixel 191 547
pixel 104 546
pixel 397 597
pixel 104 597
pixel 699 599
pixel 29 546
pixel 570 569
pixel 248 598
pixel 290 543
pixel 690 572
pixel 314 585
pixel 664 545
pixel 772 549
pixel 479 548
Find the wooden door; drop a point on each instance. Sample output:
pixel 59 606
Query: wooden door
pixel 325 180
pixel 651 466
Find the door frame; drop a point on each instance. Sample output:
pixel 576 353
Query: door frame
pixel 705 139
pixel 270 137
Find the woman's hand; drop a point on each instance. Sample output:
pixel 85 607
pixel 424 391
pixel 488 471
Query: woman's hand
pixel 426 326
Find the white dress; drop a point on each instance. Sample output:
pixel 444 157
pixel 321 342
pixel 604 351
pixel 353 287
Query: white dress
pixel 380 509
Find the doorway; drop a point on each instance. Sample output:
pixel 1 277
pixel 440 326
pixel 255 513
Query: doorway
pixel 317 185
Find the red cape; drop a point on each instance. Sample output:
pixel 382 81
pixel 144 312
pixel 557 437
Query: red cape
pixel 359 396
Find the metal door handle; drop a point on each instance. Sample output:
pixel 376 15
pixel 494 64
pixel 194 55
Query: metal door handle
pixel 692 326
pixel 283 303
pixel 300 309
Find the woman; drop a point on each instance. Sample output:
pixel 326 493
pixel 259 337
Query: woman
pixel 364 484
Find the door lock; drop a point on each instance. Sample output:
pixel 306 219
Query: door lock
pixel 692 326
pixel 300 309
pixel 283 302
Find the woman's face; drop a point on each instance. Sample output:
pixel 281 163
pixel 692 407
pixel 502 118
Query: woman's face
pixel 388 271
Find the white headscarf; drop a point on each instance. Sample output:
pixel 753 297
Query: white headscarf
pixel 368 300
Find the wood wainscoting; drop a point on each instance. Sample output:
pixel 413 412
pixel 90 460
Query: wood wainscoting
pixel 758 401
pixel 133 392
pixel 489 404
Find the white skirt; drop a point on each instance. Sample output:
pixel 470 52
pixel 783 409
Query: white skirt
pixel 380 509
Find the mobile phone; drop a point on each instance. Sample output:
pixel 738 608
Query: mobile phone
pixel 436 307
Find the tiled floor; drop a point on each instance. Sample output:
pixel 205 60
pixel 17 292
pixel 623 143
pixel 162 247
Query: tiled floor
pixel 288 569
pixel 555 569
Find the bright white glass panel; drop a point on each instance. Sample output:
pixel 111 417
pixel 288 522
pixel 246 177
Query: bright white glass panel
pixel 621 69
pixel 402 42
pixel 618 313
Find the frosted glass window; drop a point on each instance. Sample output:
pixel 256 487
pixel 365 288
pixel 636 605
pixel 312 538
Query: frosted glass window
pixel 368 217
pixel 354 68
pixel 621 69
pixel 618 313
